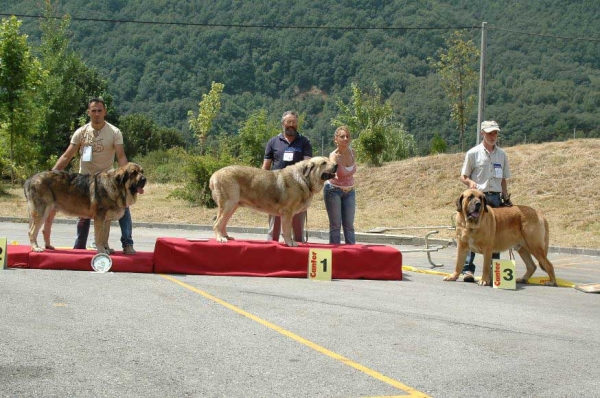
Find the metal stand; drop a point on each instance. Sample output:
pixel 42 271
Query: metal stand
pixel 428 249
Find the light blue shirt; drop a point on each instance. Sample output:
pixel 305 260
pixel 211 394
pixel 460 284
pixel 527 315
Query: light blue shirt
pixel 485 168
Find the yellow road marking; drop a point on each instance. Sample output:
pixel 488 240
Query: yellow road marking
pixel 536 280
pixel 394 383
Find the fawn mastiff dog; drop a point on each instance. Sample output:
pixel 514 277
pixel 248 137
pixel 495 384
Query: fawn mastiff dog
pixel 101 196
pixel 284 192
pixel 486 230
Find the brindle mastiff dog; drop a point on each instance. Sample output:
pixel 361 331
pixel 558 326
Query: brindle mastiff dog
pixel 486 230
pixel 284 192
pixel 101 196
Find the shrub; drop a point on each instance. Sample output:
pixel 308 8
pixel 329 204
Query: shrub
pixel 165 166
pixel 199 170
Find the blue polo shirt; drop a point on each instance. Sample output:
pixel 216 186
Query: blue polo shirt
pixel 278 146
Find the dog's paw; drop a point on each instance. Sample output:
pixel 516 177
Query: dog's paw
pixel 221 239
pixel 522 280
pixel 229 237
pixel 452 277
pixel 50 247
pixel 37 249
pixel 291 244
pixel 483 282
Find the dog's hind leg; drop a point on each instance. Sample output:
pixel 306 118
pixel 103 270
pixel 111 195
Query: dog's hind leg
pixel 531 267
pixel 546 265
pixel 35 224
pixel 36 220
pixel 48 229
pixel 226 210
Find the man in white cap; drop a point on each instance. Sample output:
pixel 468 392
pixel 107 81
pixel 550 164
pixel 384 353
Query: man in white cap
pixel 486 169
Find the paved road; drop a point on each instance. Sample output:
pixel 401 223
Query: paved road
pixel 67 333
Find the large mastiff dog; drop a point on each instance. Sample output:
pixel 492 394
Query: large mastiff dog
pixel 101 196
pixel 284 192
pixel 488 230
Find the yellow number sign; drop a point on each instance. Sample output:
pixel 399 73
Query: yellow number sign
pixel 319 264
pixel 503 276
pixel 3 254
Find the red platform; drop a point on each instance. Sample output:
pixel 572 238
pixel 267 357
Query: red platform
pixel 21 256
pixel 267 258
pixel 235 258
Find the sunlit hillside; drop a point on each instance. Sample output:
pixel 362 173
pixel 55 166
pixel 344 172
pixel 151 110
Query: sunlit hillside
pixel 560 178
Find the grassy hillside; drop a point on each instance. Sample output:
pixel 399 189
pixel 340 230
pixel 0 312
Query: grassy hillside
pixel 561 179
pixel 543 62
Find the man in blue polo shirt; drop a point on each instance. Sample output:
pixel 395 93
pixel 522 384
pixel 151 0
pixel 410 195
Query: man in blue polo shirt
pixel 283 150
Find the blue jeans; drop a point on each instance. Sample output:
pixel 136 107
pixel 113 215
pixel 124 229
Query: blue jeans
pixel 83 230
pixel 341 207
pixel 493 199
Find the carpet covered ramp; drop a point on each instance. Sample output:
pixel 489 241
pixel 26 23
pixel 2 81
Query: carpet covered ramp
pixel 234 258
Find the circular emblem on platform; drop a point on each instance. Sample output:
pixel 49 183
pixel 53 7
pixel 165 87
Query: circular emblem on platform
pixel 101 262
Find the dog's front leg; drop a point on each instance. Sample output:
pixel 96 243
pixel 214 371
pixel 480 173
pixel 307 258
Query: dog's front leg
pixel 48 229
pixel 486 276
pixel 286 229
pixel 101 229
pixel 461 256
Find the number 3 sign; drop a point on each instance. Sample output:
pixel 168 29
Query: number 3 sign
pixel 504 274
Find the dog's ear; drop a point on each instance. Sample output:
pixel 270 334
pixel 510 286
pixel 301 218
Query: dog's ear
pixel 308 169
pixel 459 203
pixel 122 177
pixel 484 202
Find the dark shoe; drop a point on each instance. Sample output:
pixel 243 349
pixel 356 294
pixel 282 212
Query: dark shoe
pixel 468 277
pixel 129 250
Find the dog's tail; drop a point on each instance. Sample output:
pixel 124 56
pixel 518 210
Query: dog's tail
pixel 26 188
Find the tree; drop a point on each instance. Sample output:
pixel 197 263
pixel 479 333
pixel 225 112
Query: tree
pixel 141 135
pixel 438 145
pixel 208 109
pixel 371 121
pixel 458 78
pixel 20 76
pixel 67 87
pixel 254 135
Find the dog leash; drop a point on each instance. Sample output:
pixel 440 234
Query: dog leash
pixel 511 255
pixel 306 228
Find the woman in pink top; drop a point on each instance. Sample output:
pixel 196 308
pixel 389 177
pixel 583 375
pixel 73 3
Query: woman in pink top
pixel 339 194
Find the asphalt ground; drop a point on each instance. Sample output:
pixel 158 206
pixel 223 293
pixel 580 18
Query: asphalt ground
pixel 84 334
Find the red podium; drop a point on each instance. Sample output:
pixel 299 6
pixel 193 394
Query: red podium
pixel 234 258
pixel 267 258
pixel 21 256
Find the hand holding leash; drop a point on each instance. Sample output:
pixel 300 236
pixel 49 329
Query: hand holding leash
pixel 506 202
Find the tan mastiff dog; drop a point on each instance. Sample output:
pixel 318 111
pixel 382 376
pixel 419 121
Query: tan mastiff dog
pixel 284 192
pixel 486 230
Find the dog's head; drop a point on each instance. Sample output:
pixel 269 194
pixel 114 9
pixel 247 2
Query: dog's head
pixel 132 176
pixel 317 170
pixel 471 204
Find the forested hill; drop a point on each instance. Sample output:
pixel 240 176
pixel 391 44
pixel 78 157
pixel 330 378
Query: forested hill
pixel 543 70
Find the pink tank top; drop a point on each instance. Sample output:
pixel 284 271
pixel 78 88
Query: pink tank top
pixel 344 177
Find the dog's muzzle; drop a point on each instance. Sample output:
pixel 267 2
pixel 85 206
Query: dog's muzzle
pixel 473 210
pixel 139 187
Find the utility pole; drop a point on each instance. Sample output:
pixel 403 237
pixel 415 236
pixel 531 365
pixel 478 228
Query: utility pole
pixel 481 108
